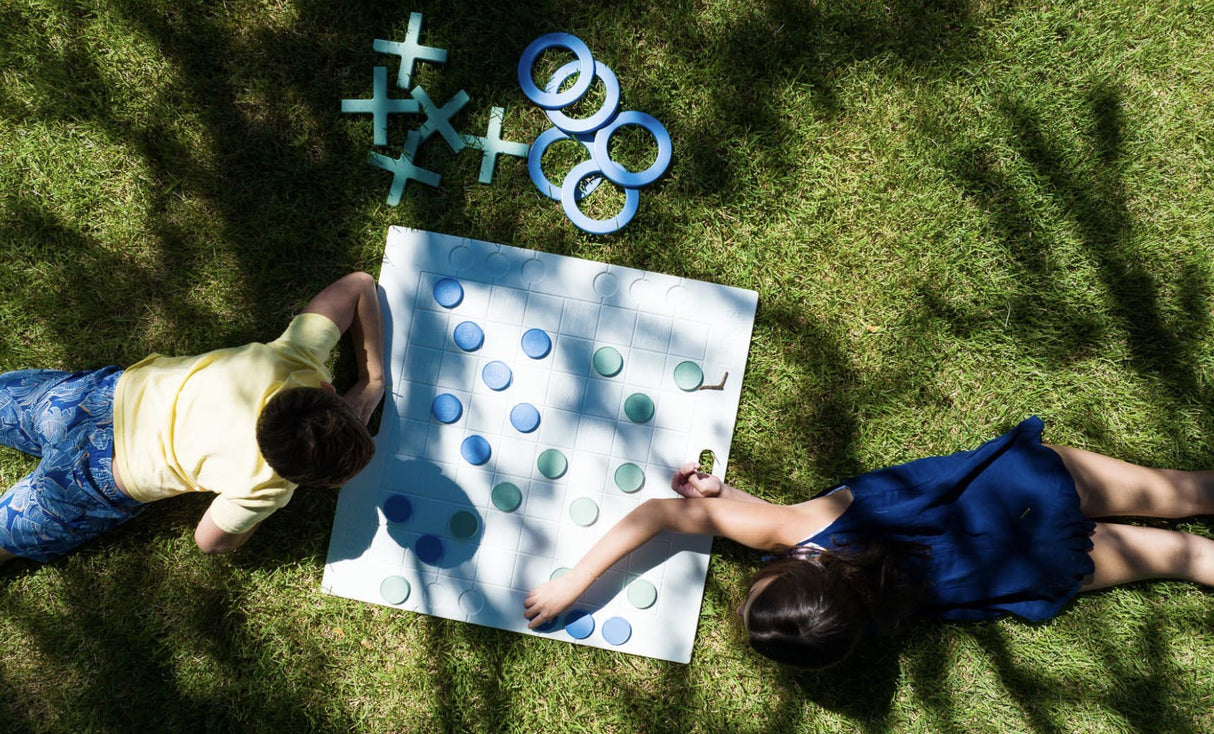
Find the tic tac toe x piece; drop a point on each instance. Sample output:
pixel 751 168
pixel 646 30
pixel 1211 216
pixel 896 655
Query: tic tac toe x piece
pixel 551 100
pixel 602 116
pixel 535 158
pixel 438 119
pixel 403 170
pixel 380 106
pixel 617 173
pixel 569 202
pixel 410 50
pixel 492 145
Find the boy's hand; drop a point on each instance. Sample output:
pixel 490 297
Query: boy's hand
pixel 689 481
pixel 548 600
pixel 363 397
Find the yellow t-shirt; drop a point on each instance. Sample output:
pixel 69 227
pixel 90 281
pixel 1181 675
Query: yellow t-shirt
pixel 188 424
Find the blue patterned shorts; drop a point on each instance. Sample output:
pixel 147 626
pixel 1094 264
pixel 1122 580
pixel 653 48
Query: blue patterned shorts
pixel 67 420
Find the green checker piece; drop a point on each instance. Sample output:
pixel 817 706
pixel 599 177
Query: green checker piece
pixel 638 407
pixel 629 478
pixel 463 524
pixel 608 361
pixel 559 573
pixel 642 594
pixel 552 464
pixel 583 511
pixel 507 497
pixel 688 376
pixel 394 589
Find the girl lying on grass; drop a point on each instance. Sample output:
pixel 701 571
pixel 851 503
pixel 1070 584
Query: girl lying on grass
pixel 1005 528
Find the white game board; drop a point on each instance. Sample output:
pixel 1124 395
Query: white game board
pixel 654 321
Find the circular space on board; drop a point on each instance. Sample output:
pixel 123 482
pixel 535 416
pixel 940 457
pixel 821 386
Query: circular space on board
pixel 583 511
pixel 552 464
pixel 394 589
pixel 448 293
pixel 507 497
pixel 608 361
pixel 536 343
pixel 629 478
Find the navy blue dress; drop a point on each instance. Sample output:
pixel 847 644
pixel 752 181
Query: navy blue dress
pixel 1001 524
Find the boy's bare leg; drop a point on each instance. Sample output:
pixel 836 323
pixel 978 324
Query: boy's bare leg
pixel 5 556
pixel 1127 553
pixel 1110 487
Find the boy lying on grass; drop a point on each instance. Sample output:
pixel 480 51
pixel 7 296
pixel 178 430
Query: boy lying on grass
pixel 248 423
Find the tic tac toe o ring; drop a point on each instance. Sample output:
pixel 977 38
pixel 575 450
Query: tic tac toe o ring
pixel 429 548
pixel 446 408
pixel 536 343
pixel 617 630
pixel 497 375
pixel 608 361
pixel 583 512
pixel 569 201
pixel 688 376
pixel 642 594
pixel 535 158
pixel 475 450
pixel 585 63
pixel 552 464
pixel 602 116
pixel 629 478
pixel 617 173
pixel 394 589
pixel 398 508
pixel 638 407
pixel 506 496
pixel 463 525
pixel 448 293
pixel 579 624
pixel 524 417
pixel 468 336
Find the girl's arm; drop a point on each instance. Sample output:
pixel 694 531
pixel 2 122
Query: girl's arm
pixel 758 524
pixel 352 303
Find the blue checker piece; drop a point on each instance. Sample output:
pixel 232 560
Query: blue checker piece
pixel 497 375
pixel 548 626
pixel 446 408
pixel 579 624
pixel 429 548
pixel 448 293
pixel 617 630
pixel 536 343
pixel 398 508
pixel 468 336
pixel 475 450
pixel 524 417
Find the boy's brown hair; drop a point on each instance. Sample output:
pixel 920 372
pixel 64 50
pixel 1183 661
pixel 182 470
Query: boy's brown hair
pixel 308 435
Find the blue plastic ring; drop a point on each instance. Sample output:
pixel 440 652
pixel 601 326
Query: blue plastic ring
pixel 632 201
pixel 536 155
pixel 598 119
pixel 617 173
pixel 585 62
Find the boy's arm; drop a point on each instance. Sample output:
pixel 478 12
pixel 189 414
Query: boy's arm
pixel 211 539
pixel 755 524
pixel 352 303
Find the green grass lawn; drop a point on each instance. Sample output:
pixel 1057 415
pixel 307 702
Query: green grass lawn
pixel 956 214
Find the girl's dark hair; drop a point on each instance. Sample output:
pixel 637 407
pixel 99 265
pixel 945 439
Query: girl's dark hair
pixel 308 435
pixel 818 604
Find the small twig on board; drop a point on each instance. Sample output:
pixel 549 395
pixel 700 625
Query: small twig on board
pixel 719 386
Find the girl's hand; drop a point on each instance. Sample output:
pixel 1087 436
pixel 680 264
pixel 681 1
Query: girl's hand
pixel 689 481
pixel 548 600
pixel 363 397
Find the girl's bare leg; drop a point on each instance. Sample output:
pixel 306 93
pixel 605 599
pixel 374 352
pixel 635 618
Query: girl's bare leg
pixel 1110 487
pixel 1128 553
pixel 5 556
